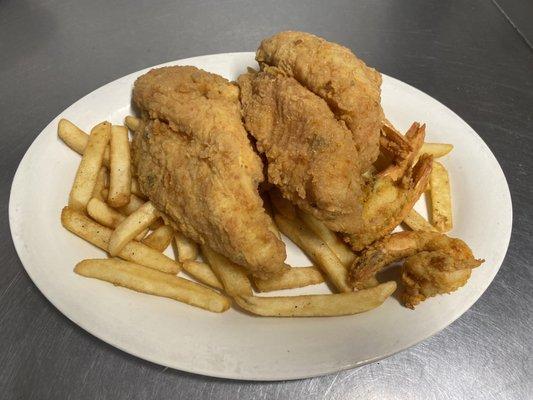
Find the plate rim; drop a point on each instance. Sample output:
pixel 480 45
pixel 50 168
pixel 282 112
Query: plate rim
pixel 18 244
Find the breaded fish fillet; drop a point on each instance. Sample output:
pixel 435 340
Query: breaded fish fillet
pixel 351 89
pixel 194 162
pixel 311 155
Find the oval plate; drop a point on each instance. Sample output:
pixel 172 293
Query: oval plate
pixel 233 344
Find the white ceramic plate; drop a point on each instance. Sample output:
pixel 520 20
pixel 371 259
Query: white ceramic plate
pixel 234 344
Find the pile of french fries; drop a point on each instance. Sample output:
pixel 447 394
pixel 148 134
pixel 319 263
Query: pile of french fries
pixel 107 209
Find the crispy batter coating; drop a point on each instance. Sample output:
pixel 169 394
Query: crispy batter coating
pixel 351 88
pixel 311 155
pixel 195 163
pixel 430 273
pixel 387 204
pixel 435 264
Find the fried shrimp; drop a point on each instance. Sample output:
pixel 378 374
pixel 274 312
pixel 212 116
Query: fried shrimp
pixel 388 203
pixel 403 149
pixel 434 264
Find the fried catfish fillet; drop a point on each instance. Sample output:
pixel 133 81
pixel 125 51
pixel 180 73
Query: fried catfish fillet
pixel 311 156
pixel 351 88
pixel 195 163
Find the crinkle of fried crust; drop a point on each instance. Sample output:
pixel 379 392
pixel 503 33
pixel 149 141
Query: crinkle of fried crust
pixel 310 153
pixel 195 163
pixel 351 88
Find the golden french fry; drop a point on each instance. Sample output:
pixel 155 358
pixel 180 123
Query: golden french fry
pixel 291 278
pixel 132 122
pixel 132 206
pixel 101 183
pixel 99 235
pixel 89 167
pixel 107 216
pixel 160 238
pixel 316 249
pixel 336 245
pixel 231 275
pixel 119 167
pixel 133 225
pixel 441 198
pixel 417 222
pixel 202 272
pixel 103 214
pixel 436 149
pixel 320 305
pixel 186 248
pixel 73 136
pixel 76 139
pixel 146 280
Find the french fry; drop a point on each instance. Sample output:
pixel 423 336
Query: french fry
pixel 101 183
pixel 89 167
pixel 231 275
pixel 202 272
pixel 103 214
pixel 291 278
pixel 130 227
pixel 73 136
pixel 417 222
pixel 119 167
pixel 160 238
pixel 186 248
pixel 146 280
pixel 99 235
pixel 441 198
pixel 316 249
pixel 107 216
pixel 76 139
pixel 436 149
pixel 337 246
pixel 132 122
pixel 321 305
pixel 132 206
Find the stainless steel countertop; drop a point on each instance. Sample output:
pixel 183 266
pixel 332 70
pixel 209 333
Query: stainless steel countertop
pixel 466 54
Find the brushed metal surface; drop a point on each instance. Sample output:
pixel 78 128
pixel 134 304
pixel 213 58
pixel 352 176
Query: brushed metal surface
pixel 465 54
